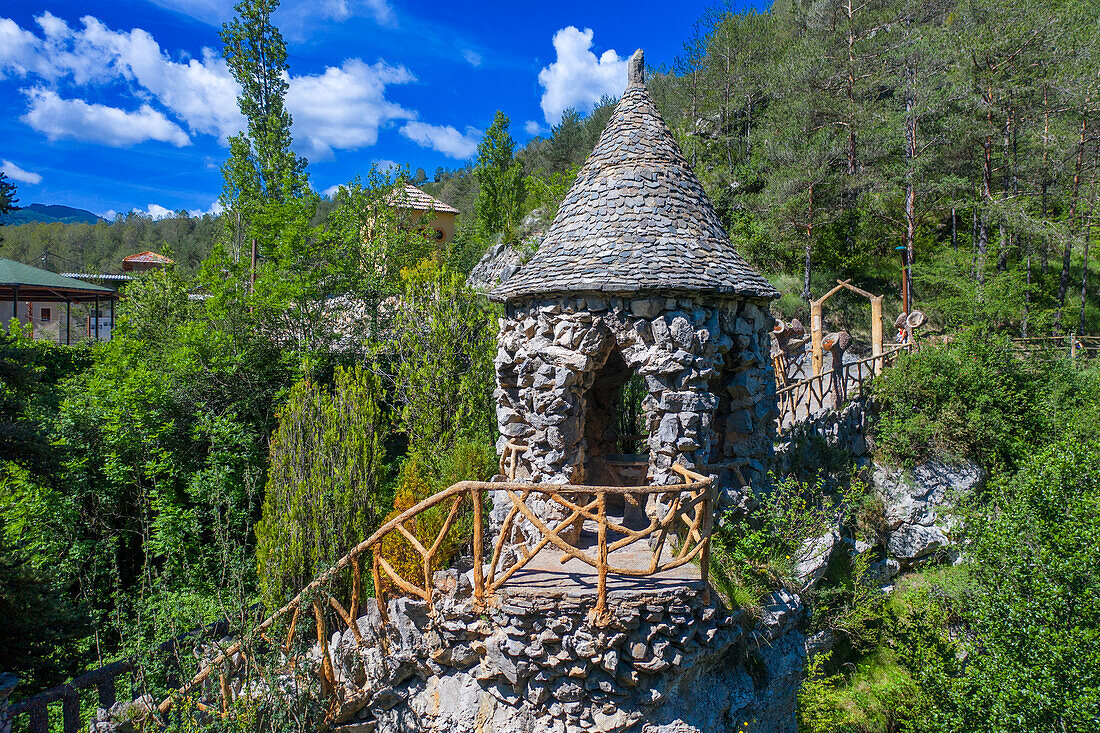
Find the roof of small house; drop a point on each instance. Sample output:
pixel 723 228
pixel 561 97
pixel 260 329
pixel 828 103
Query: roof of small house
pixel 636 219
pixel 148 257
pixel 411 197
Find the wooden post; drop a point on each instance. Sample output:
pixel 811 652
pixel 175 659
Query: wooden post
pixel 68 321
pixel 356 589
pixel 876 333
pixel 328 675
pixel 708 527
pixel 39 718
pixel 97 318
pixel 479 576
pixel 815 336
pixel 601 600
pixel 106 690
pixel 70 712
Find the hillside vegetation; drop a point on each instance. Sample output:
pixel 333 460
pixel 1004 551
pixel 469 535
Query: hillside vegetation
pixel 218 452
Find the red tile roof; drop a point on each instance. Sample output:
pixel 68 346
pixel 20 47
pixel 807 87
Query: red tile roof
pixel 151 257
pixel 411 197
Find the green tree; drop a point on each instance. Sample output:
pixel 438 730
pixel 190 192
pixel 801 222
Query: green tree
pixel 499 175
pixel 1035 659
pixel 8 200
pixel 442 355
pixel 322 490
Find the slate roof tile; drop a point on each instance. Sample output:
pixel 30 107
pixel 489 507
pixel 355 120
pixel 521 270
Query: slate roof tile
pixel 637 218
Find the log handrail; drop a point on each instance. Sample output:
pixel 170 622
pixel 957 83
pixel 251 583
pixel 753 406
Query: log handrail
pixel 830 388
pixel 691 513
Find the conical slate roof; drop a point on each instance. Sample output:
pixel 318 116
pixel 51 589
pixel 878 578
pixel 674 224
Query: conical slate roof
pixel 636 219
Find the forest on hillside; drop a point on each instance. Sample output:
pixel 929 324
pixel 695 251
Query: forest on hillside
pixel 219 452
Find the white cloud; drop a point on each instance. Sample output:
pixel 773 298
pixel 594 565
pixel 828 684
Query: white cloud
pixel 59 118
pixel 199 92
pixel 382 12
pixel 156 211
pixel 577 78
pixel 473 58
pixel 531 127
pixel 387 167
pixel 110 214
pixel 215 209
pixel 344 107
pixel 331 190
pixel 443 138
pixel 14 172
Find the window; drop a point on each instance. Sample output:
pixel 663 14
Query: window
pixel 45 315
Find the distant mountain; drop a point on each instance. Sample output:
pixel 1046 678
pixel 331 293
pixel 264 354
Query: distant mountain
pixel 48 214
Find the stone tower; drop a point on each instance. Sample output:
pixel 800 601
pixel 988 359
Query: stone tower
pixel 636 276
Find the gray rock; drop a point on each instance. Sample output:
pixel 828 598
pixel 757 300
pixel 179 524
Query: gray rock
pixel 911 542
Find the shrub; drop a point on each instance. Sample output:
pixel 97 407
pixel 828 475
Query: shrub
pixel 752 555
pixel 466 462
pixel 322 489
pixel 972 398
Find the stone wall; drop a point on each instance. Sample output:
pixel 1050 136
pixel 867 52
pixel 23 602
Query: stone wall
pixel 830 443
pixel 710 402
pixel 664 663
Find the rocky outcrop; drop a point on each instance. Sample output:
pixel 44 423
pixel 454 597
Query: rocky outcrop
pixel 662 661
pixel 917 521
pixel 502 260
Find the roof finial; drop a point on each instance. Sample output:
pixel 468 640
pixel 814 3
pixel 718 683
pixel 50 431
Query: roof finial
pixel 635 69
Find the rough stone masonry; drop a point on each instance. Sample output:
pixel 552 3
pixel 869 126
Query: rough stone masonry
pixel 636 276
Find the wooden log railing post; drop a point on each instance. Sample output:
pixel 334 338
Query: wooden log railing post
pixel 601 600
pixel 70 711
pixel 328 674
pixel 707 528
pixel 106 689
pixel 876 333
pixel 479 573
pixel 818 356
pixel 40 717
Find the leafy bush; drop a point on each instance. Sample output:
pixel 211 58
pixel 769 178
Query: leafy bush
pixel 1005 642
pixel 752 555
pixel 974 398
pixel 466 462
pixel 1035 662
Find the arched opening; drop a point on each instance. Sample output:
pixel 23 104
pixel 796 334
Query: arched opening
pixel 616 451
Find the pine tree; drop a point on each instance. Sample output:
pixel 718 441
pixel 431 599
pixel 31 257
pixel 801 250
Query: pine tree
pixel 8 200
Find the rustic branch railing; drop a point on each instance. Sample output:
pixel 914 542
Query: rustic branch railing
pixel 103 680
pixel 805 398
pixel 1055 347
pixel 687 513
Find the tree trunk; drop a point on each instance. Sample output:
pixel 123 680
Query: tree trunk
pixel 1084 277
pixel 809 247
pixel 1067 252
pixel 954 231
pixel 1027 299
pixel 910 187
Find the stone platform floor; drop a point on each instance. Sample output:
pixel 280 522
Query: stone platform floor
pixel 545 573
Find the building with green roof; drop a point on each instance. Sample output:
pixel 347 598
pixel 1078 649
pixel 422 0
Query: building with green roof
pixel 29 294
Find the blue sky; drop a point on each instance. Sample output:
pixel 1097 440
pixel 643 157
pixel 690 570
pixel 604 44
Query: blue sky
pixel 125 105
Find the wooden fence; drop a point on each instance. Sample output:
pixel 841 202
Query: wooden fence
pixel 1049 348
pixel 103 680
pixel 805 398
pixel 680 533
